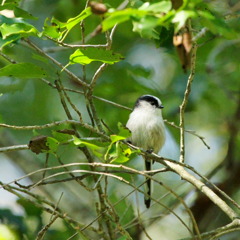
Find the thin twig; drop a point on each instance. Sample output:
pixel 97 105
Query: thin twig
pixel 116 105
pixel 204 30
pixel 184 103
pixel 7 58
pixel 54 124
pixel 38 203
pixel 70 101
pixel 43 231
pixel 101 173
pixel 203 188
pixel 78 180
pixel 178 169
pixel 74 77
pixel 97 75
pixel 45 165
pixel 14 148
pixel 189 131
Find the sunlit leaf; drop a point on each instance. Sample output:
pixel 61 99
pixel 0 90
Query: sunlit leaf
pixel 76 20
pixel 86 56
pixel 115 138
pixel 21 29
pixel 122 16
pixel 145 27
pixel 162 7
pixel 122 154
pixel 11 31
pixel 97 150
pixel 23 70
pixel 52 30
pixel 145 18
pixel 59 30
pixel 120 159
pixel 181 17
pixel 118 151
pixel 7 232
pixel 8 40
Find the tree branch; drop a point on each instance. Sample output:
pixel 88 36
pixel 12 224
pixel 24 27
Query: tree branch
pixel 184 103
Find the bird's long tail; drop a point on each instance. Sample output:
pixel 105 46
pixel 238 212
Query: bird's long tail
pixel 147 198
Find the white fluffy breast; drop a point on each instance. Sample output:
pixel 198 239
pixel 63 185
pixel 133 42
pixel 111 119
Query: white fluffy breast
pixel 147 128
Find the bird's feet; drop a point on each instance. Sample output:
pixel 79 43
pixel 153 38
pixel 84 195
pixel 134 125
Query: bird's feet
pixel 150 150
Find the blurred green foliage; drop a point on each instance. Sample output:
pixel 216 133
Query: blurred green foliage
pixel 143 61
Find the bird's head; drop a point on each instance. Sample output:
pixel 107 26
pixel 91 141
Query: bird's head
pixel 148 102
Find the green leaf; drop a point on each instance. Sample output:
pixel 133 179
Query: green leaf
pixel 76 20
pixel 52 144
pixel 97 150
pixel 123 131
pixel 21 29
pixel 161 7
pixel 147 16
pixel 11 32
pixel 181 17
pixel 8 6
pixel 15 2
pixel 4 19
pixel 86 56
pixel 8 40
pixel 40 58
pixel 62 137
pixel 122 16
pixel 120 159
pixel 145 27
pixel 20 13
pixel 53 30
pixel 60 30
pixel 115 138
pixel 23 70
pixel 119 152
pixel 30 208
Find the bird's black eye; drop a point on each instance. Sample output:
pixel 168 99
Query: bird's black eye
pixel 152 103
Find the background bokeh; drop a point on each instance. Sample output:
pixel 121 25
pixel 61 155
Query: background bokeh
pixel 149 67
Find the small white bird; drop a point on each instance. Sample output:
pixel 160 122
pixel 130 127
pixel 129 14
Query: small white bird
pixel 147 130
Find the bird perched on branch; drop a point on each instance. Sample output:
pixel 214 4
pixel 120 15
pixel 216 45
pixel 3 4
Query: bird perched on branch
pixel 147 130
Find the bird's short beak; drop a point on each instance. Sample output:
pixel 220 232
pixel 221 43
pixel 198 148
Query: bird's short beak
pixel 161 106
